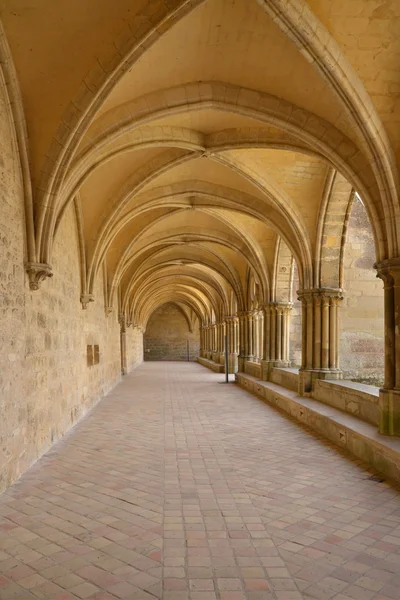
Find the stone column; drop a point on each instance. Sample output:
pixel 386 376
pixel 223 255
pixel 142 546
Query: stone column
pixel 256 336
pixel 201 341
pixel 124 362
pixel 235 335
pixel 389 394
pixel 206 335
pixel 261 329
pixel 232 358
pixel 214 355
pixel 250 328
pixel 219 350
pixel 320 336
pixel 275 351
pixel 242 340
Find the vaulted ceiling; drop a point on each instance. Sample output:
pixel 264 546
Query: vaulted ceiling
pixel 206 145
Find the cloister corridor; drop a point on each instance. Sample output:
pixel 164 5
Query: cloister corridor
pixel 179 488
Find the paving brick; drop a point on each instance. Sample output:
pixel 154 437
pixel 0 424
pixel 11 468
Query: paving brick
pixel 170 481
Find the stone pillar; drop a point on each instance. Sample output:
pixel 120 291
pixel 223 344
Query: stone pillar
pixel 124 362
pixel 242 340
pixel 206 339
pixel 232 354
pixel 220 343
pixel 275 350
pixel 261 329
pixel 250 327
pixel 214 355
pixel 389 394
pixel 235 335
pixel 256 321
pixel 320 336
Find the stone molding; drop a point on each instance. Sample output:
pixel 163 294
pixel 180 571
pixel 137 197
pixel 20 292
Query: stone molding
pixel 37 272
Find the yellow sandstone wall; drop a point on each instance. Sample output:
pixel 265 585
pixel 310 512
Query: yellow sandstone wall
pixel 295 324
pixel 134 347
pixel 166 336
pixel 45 383
pixel 362 311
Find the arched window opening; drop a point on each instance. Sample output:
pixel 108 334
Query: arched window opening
pixel 362 311
pixel 295 321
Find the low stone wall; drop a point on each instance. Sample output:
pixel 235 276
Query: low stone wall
pixel 210 364
pixel 354 398
pixel 287 378
pixel 348 432
pixel 253 369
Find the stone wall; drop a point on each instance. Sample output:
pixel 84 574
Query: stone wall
pixel 134 347
pixel 362 311
pixel 46 385
pixel 295 324
pixel 167 334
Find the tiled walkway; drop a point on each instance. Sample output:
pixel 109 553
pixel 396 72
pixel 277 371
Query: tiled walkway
pixel 178 488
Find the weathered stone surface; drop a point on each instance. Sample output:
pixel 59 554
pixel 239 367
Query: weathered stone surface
pixel 167 336
pixel 45 383
pixel 362 310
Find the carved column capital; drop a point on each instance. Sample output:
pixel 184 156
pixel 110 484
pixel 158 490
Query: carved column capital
pixel 37 272
pixel 122 322
pixel 389 271
pixel 319 294
pixel 85 299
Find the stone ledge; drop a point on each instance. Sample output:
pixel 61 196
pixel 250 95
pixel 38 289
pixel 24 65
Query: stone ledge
pixel 353 398
pixel 358 437
pixel 253 368
pixel 210 364
pixel 286 377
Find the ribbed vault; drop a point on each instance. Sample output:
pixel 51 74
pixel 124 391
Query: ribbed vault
pixel 197 161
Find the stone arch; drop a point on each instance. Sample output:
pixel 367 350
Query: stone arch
pixel 332 222
pixel 286 211
pixel 145 29
pixel 182 310
pixel 159 272
pixel 229 274
pixel 187 194
pixel 180 280
pixel 168 293
pixel 14 106
pixel 315 132
pixel 296 20
pixel 282 273
pixel 188 237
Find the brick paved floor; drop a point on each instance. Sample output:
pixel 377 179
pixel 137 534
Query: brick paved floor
pixel 178 488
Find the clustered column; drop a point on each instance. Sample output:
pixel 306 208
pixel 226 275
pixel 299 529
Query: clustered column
pixel 389 395
pixel 320 336
pixel 242 325
pixel 124 361
pixel 231 324
pixel 220 342
pixel 276 337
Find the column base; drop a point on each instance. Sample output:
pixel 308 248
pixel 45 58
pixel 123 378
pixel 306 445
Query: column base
pixel 389 406
pixel 221 358
pixel 268 365
pixel 308 376
pixel 232 363
pixel 241 362
pixel 265 370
